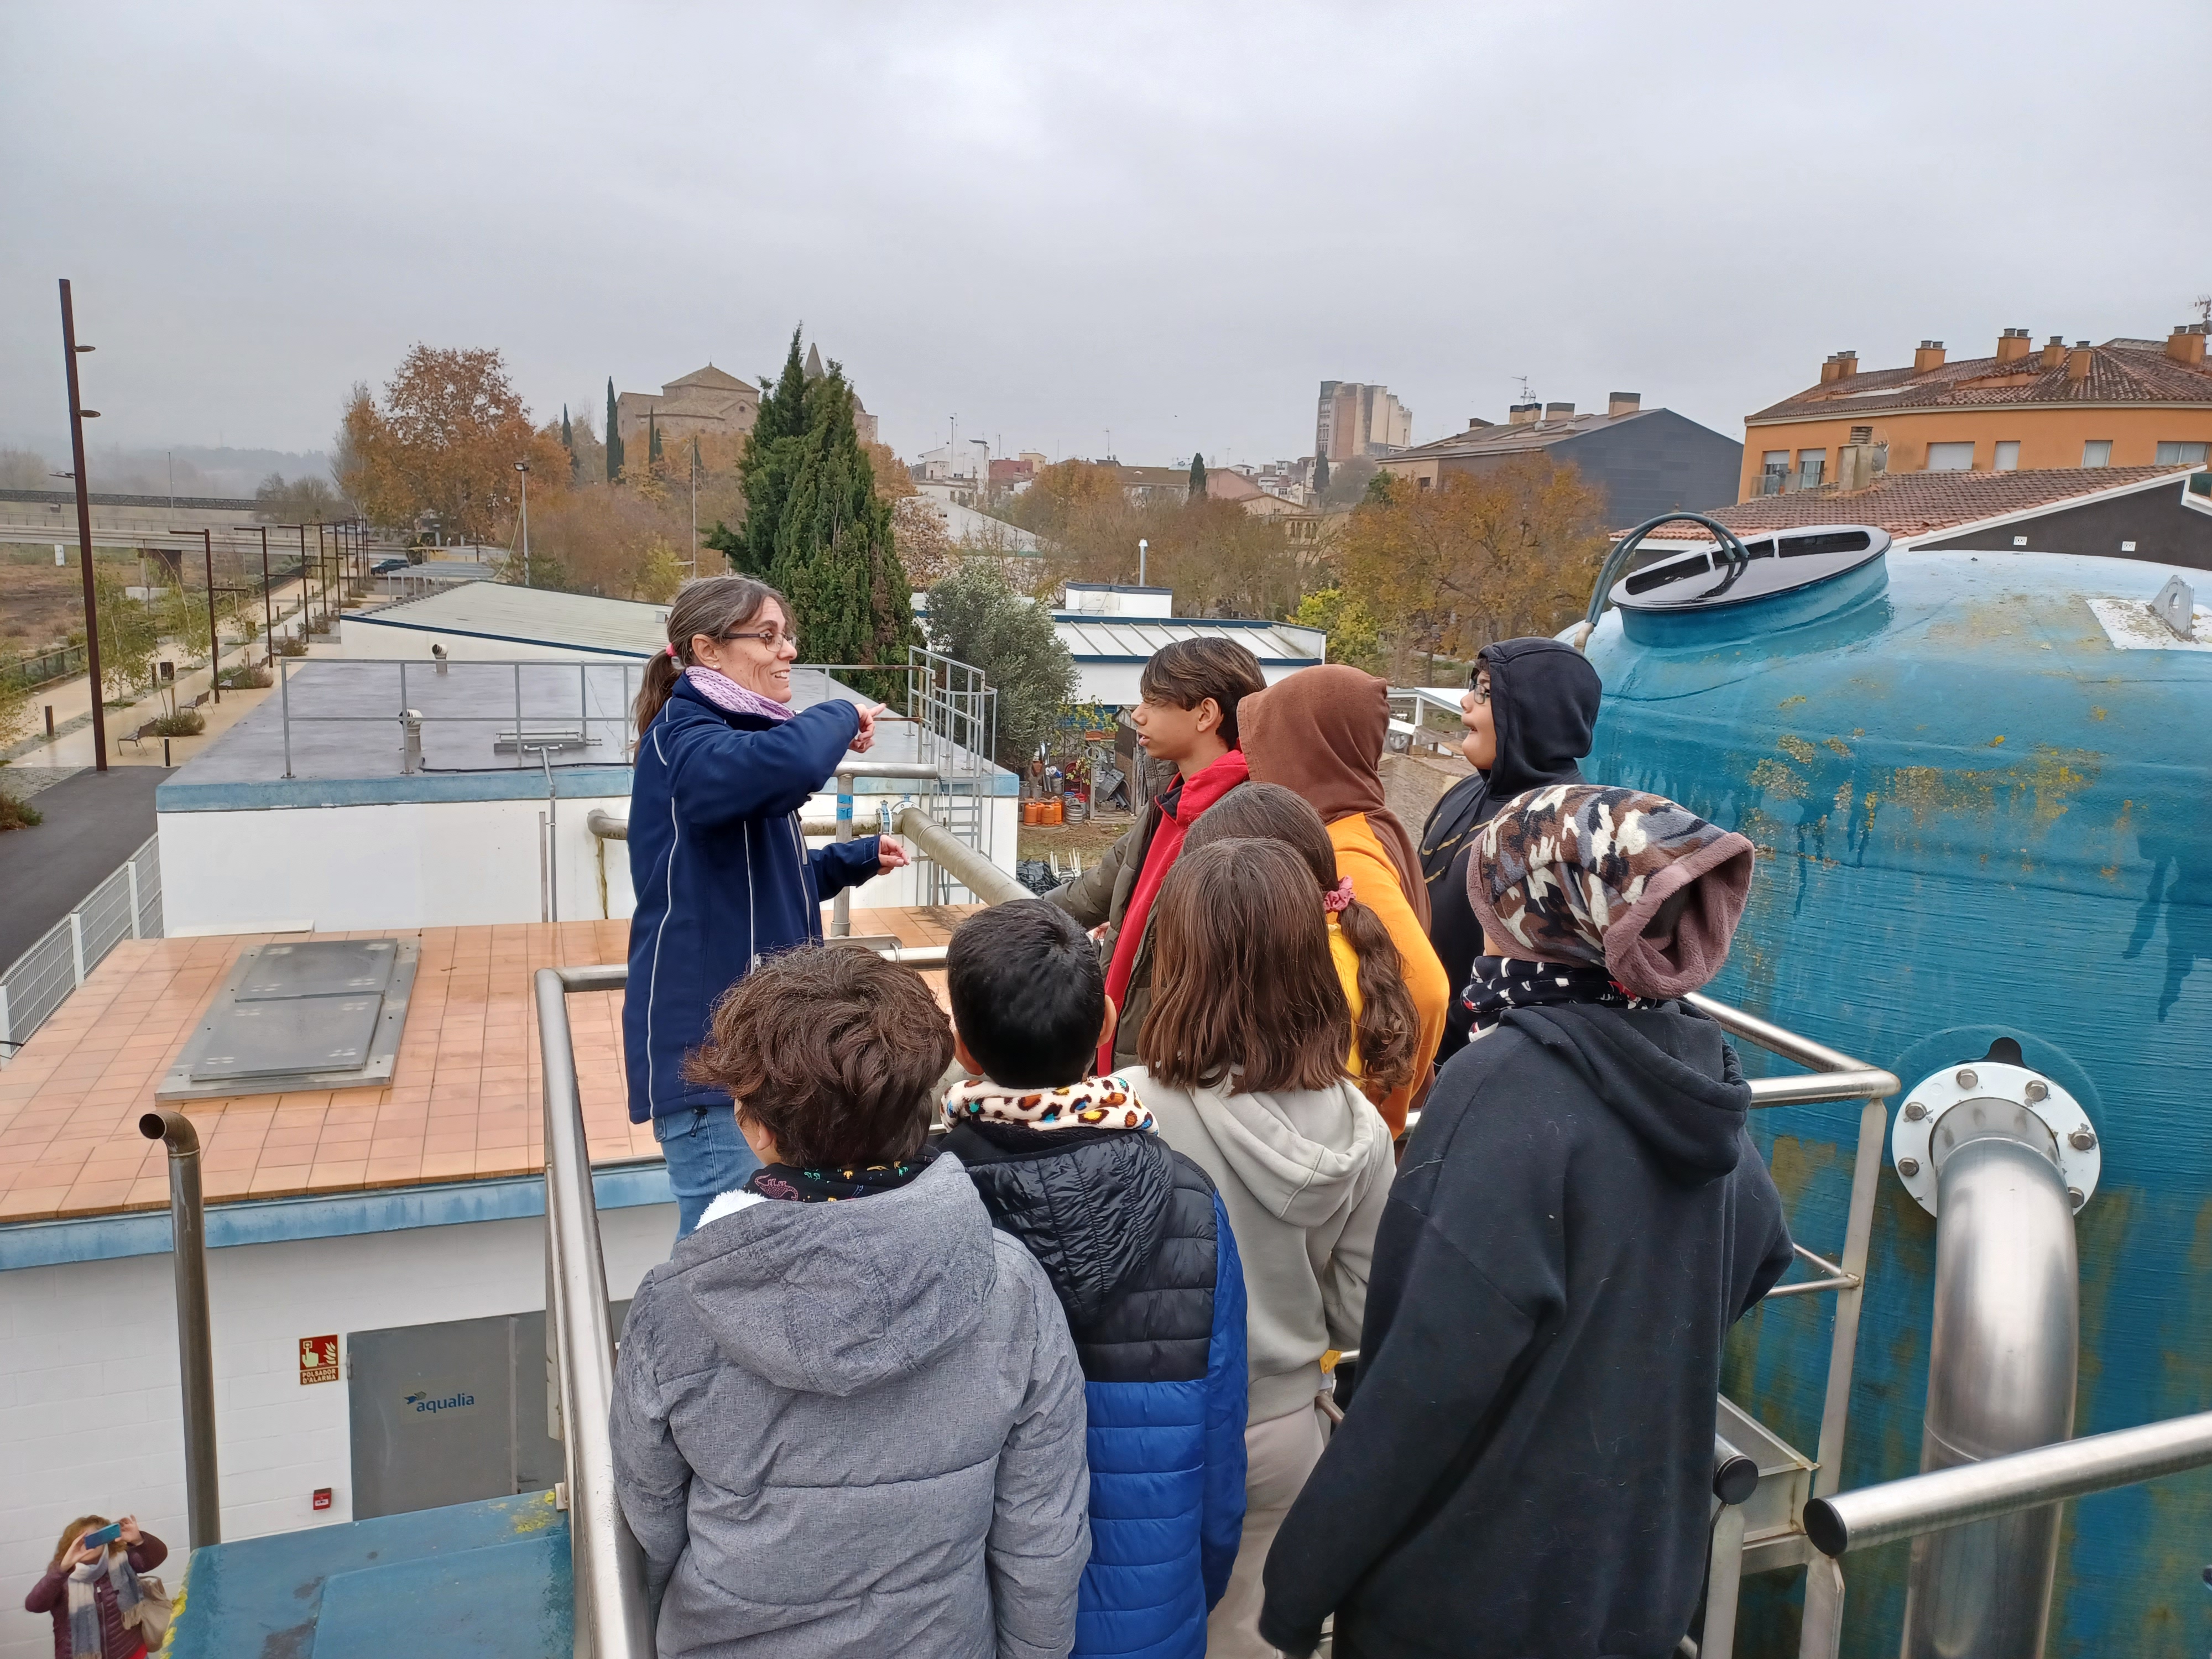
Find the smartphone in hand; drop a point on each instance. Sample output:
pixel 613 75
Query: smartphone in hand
pixel 100 1539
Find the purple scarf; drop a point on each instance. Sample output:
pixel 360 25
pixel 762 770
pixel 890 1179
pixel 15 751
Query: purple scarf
pixel 725 694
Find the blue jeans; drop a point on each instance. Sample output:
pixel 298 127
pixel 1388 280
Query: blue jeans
pixel 707 1156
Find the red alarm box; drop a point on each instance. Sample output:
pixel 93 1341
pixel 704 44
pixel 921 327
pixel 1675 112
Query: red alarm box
pixel 322 1498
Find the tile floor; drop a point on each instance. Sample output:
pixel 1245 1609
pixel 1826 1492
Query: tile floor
pixel 463 1103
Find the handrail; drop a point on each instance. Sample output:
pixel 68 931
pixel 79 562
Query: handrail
pixel 608 1566
pixel 970 868
pixel 195 1340
pixel 2003 1486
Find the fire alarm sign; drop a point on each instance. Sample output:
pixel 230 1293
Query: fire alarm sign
pixel 319 1359
pixel 322 1498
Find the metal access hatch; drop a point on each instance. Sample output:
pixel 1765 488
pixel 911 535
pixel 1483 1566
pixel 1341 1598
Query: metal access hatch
pixel 320 1014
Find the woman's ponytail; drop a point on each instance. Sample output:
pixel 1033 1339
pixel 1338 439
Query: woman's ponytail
pixel 712 605
pixel 1386 1034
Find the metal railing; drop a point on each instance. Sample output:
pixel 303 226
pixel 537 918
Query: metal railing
pixel 613 1621
pixel 126 905
pixel 1968 1493
pixel 1834 1076
pixel 531 707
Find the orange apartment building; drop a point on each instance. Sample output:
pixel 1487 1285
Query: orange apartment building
pixel 2125 402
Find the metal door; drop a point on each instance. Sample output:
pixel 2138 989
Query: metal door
pixel 451 1412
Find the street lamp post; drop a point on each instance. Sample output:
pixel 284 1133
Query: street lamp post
pixel 523 467
pixel 78 415
pixel 268 606
pixel 1141 561
pixel 215 639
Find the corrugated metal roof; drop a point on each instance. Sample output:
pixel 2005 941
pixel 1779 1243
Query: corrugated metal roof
pixel 533 615
pixel 1133 638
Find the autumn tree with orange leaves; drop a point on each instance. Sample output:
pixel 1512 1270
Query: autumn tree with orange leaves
pixel 1479 557
pixel 444 440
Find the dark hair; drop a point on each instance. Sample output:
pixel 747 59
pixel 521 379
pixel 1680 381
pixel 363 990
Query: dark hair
pixel 833 1051
pixel 1029 995
pixel 1388 1031
pixel 711 605
pixel 1187 671
pixel 1245 994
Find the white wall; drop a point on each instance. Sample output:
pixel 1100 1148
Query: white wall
pixel 434 864
pixel 91 1414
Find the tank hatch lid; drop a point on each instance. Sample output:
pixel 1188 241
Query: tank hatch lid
pixel 315 1015
pixel 1704 578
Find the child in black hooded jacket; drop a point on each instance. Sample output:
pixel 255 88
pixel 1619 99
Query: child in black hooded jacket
pixel 1577 1222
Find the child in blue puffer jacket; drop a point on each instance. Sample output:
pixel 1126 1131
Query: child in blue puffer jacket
pixel 1138 1248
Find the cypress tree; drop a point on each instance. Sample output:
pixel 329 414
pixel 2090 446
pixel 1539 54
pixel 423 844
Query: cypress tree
pixel 1320 473
pixel 770 454
pixel 832 550
pixel 614 437
pixel 568 441
pixel 652 438
pixel 1197 475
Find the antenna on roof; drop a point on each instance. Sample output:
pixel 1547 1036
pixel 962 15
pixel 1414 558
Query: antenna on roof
pixel 2204 309
pixel 1528 390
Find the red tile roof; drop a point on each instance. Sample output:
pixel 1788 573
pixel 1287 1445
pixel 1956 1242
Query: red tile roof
pixel 2121 371
pixel 1915 503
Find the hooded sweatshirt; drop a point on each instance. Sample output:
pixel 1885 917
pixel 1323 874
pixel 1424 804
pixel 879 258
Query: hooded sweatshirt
pixel 855 1427
pixel 1527 1468
pixel 1544 700
pixel 1138 1249
pixel 1303 1176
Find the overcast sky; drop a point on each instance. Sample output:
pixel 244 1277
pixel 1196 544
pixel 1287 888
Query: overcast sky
pixel 1169 222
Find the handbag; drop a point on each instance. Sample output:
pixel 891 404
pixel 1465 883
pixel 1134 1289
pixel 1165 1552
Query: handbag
pixel 151 1615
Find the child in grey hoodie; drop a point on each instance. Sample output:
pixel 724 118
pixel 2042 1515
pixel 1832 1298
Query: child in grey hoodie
pixel 848 1418
pixel 1244 1052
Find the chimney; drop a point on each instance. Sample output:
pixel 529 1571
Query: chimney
pixel 2186 345
pixel 2077 363
pixel 1930 355
pixel 1558 411
pixel 1623 403
pixel 1847 364
pixel 2012 345
pixel 1475 423
pixel 1523 414
pixel 2054 353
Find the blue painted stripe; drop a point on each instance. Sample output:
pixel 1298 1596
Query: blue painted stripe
pixel 519 783
pixel 277 1220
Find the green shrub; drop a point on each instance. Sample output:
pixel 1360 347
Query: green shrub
pixel 185 723
pixel 294 647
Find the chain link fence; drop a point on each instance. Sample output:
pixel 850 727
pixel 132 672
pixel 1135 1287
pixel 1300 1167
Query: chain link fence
pixel 127 905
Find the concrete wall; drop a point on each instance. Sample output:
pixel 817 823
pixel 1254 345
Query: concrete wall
pixel 91 1411
pixel 434 864
pixel 364 639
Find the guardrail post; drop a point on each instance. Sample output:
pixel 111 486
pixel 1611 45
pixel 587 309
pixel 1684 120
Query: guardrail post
pixel 284 697
pixel 195 1344
pixel 131 871
pixel 76 944
pixel 841 908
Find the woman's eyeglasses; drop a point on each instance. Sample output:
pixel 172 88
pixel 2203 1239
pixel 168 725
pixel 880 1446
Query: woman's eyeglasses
pixel 765 637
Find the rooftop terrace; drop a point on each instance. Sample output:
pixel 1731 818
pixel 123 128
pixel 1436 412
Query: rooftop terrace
pixel 463 1103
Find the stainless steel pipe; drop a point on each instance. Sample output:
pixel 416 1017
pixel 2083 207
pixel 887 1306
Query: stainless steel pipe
pixel 195 1339
pixel 970 868
pixel 1970 1493
pixel 2001 1372
pixel 608 1567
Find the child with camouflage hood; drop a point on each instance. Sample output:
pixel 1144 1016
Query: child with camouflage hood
pixel 1577 1222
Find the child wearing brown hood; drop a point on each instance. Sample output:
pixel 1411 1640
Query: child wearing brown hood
pixel 1577 1222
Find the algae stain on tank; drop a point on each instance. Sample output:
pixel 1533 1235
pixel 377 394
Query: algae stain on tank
pixel 1982 816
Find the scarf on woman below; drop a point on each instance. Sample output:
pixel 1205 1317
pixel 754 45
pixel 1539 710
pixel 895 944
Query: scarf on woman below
pixel 1096 1102
pixel 726 695
pixel 1320 734
pixel 831 1186
pixel 1501 983
pixel 85 1640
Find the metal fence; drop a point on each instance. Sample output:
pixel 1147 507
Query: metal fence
pixel 127 905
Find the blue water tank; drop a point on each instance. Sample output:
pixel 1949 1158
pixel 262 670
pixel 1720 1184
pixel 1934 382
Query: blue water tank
pixel 1981 787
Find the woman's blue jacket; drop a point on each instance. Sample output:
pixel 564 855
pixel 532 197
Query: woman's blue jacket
pixel 722 875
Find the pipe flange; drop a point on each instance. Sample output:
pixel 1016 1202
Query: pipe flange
pixel 1915 1150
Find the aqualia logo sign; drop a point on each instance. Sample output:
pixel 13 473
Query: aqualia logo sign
pixel 423 1402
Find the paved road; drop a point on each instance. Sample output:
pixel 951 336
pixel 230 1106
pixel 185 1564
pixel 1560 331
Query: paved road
pixel 93 823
